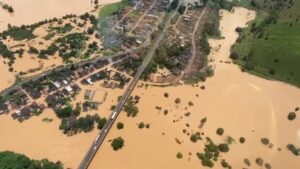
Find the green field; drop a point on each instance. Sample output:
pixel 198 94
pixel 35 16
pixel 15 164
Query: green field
pixel 270 46
pixel 109 9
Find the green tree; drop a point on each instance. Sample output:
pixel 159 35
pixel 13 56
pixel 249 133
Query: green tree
pixel 292 116
pixel 242 140
pixel 141 125
pixel 120 125
pixel 64 112
pixel 223 147
pixel 220 131
pixel 86 123
pixel 179 155
pixel 259 161
pixel 101 123
pixel 117 143
pixel 265 141
pixel 194 138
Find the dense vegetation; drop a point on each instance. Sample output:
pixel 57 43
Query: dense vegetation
pixel 20 33
pixel 11 160
pixel 130 107
pixel 117 143
pixel 73 125
pixel 270 45
pixel 293 149
pixel 101 123
pixel 7 7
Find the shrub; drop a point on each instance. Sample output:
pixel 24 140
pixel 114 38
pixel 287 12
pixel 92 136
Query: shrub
pixel 101 123
pixel 238 29
pixel 272 72
pixel 166 95
pixel 223 147
pixel 230 140
pixel 120 125
pixel 117 143
pixel 265 141
pixel 179 155
pixel 166 112
pixel 86 123
pixel 268 166
pixel 33 50
pixel 293 149
pixel 242 140
pixel 64 112
pixel 247 162
pixel 181 9
pixel 177 100
pixel 194 138
pixel 113 107
pixel 292 116
pixel 234 55
pixel 224 164
pixel 259 161
pixel 90 30
pixel 220 131
pixel 131 110
pixel 141 125
pixel 147 126
pixel 205 161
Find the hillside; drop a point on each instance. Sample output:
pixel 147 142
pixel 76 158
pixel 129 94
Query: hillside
pixel 270 46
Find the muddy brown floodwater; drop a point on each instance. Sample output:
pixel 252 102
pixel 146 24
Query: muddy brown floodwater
pixel 31 11
pixel 244 105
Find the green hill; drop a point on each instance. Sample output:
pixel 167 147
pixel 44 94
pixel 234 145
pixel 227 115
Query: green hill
pixel 270 46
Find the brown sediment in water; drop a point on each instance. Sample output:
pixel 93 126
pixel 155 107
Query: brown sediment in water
pixel 31 11
pixel 29 64
pixel 244 105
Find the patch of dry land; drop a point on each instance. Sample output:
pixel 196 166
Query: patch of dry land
pixel 242 104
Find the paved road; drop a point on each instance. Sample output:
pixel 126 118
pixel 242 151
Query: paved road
pixel 103 133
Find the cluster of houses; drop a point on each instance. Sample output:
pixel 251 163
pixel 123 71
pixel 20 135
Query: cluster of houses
pixel 13 101
pixel 19 101
pixel 128 65
pixel 149 23
pixel 28 111
pixel 137 26
pixel 111 79
pixel 56 87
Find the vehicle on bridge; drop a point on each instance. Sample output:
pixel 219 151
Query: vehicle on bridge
pixel 114 115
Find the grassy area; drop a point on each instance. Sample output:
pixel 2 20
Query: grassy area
pixel 270 45
pixel 109 9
